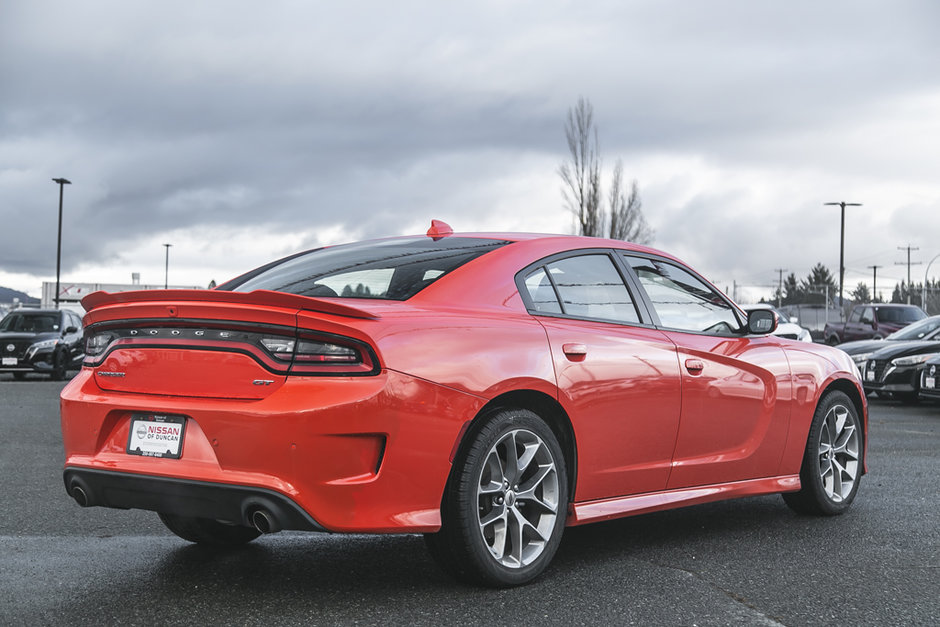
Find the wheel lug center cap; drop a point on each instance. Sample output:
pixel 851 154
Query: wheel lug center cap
pixel 510 498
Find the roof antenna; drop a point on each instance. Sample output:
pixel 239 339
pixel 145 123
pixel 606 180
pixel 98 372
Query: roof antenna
pixel 439 229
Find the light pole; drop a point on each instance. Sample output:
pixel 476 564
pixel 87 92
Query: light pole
pixel 923 300
pixel 58 251
pixel 166 275
pixel 842 249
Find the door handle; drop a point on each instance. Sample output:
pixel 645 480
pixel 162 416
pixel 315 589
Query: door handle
pixel 574 352
pixel 694 366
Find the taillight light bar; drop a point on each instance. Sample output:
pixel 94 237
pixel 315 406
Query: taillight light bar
pixel 279 350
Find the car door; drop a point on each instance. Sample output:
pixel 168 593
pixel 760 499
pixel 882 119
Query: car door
pixel 735 388
pixel 859 325
pixel 618 377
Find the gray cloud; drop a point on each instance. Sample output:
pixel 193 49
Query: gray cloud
pixel 286 115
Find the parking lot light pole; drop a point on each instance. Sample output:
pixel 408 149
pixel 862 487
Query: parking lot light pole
pixel 166 275
pixel 923 298
pixel 842 250
pixel 58 252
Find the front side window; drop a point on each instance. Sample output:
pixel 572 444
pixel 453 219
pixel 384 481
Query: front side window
pixel 394 269
pixel 682 301
pixel 591 287
pixel 866 316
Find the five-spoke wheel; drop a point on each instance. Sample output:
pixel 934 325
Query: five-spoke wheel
pixel 505 505
pixel 832 462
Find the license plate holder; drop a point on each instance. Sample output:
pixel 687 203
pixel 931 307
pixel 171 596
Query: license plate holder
pixel 930 382
pixel 870 375
pixel 9 361
pixel 156 435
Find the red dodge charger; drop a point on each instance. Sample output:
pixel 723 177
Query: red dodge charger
pixel 485 390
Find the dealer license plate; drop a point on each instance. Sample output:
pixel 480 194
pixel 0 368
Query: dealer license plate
pixel 930 382
pixel 870 375
pixel 9 361
pixel 156 435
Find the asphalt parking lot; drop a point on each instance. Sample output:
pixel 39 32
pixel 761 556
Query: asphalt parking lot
pixel 750 561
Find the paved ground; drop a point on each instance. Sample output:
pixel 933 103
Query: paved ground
pixel 750 561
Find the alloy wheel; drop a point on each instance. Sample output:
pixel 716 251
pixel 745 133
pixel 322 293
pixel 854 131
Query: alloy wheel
pixel 517 497
pixel 838 453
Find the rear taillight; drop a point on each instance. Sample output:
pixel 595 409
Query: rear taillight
pixel 332 355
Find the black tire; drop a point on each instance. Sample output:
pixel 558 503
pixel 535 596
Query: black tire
pixel 58 366
pixel 208 531
pixel 481 488
pixel 833 340
pixel 830 475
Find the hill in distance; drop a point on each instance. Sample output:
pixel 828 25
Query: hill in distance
pixel 7 295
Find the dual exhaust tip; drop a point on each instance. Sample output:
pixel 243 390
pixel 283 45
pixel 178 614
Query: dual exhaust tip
pixel 260 518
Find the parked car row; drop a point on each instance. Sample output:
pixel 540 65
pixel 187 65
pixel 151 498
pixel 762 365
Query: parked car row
pixel 897 366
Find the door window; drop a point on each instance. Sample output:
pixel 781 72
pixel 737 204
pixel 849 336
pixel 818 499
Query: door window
pixel 682 301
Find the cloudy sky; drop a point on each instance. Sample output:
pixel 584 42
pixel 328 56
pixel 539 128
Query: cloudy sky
pixel 243 131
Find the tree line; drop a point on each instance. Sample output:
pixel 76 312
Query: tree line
pixel 820 282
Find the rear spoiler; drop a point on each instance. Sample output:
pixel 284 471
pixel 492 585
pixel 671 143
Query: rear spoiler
pixel 257 297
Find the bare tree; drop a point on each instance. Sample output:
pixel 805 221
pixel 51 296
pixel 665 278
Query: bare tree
pixel 582 185
pixel 582 175
pixel 626 211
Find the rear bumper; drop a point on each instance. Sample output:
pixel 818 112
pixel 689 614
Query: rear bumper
pixel 229 503
pixel 354 454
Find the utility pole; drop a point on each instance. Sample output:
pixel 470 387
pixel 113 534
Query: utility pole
pixel 842 204
pixel 910 287
pixel 874 283
pixel 166 276
pixel 58 253
pixel 780 284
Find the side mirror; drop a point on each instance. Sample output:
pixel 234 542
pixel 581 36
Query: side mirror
pixel 761 322
pixel 794 320
pixel 71 330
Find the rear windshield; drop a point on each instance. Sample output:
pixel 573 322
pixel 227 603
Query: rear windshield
pixel 393 269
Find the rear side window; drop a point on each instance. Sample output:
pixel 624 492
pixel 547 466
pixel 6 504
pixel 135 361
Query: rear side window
pixel 393 269
pixel 588 286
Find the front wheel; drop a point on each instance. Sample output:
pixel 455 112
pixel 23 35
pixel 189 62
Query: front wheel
pixel 505 504
pixel 208 531
pixel 59 366
pixel 832 463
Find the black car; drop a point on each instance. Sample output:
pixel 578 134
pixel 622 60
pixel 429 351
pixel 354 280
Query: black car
pixel 861 350
pixel 894 371
pixel 930 379
pixel 47 341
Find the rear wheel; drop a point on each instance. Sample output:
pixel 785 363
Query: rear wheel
pixel 832 463
pixel 208 531
pixel 505 505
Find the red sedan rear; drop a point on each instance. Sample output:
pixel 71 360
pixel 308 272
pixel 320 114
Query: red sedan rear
pixel 486 390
